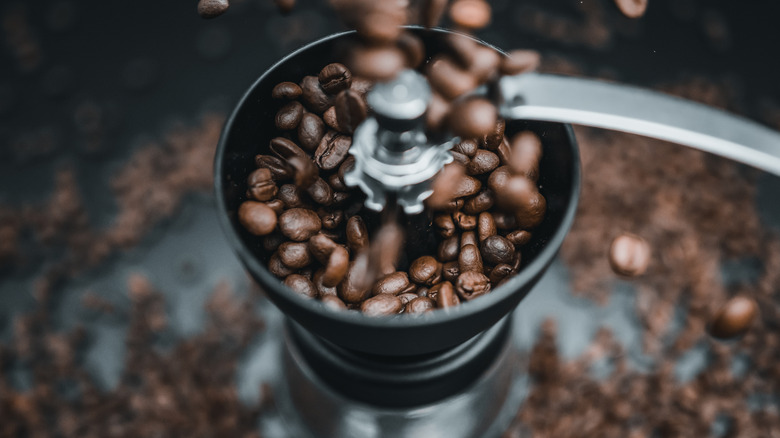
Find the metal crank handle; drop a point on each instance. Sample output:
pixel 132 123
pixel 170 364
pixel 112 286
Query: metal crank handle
pixel 535 96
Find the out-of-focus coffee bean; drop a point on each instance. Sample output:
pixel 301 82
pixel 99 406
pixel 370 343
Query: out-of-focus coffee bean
pixel 629 255
pixel 341 197
pixel 504 221
pixel 422 291
pixel 272 241
pixel 382 305
pixel 331 219
pixel 212 8
pixel 413 48
pixel 464 221
pixel 479 203
pixel 295 255
pixel 519 237
pixel 321 246
pixel 335 78
pixel 337 266
pixel 332 151
pixel 357 234
pixel 632 8
pixel 486 226
pixel 301 285
pixel 331 121
pixel 483 162
pixel 504 152
pixel 425 270
pixel 734 318
pixel 460 158
pixel 466 186
pixel 532 214
pixel 285 6
pixel 286 149
pixel 406 297
pixel 333 302
pixel 261 186
pixel 277 268
pixel 361 85
pixel 380 63
pixel 466 147
pixel 276 205
pixel 519 61
pixel 289 116
pixel 438 110
pixel 497 249
pixel 445 225
pixel 498 180
pixel 314 97
pixel 450 271
pixel 493 140
pixel 419 305
pixel 257 218
pixel 445 186
pixel 516 194
pixel 322 290
pixel 304 170
pixel 279 170
pixel 299 224
pixel 468 238
pixel 449 249
pixel 485 62
pixel 526 153
pixel 320 192
pixel 472 284
pixel 310 131
pixel 431 12
pixel 351 110
pixel 500 272
pixel 469 259
pixel 470 14
pixel 395 283
pixel 380 26
pixel 473 117
pixel 445 295
pixel 291 196
pixel 385 249
pixel 353 288
pixel 450 80
pixel 336 183
pixel 286 90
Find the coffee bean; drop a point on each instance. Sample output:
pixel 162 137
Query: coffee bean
pixel 497 250
pixel 333 302
pixel 361 85
pixel 304 170
pixel 289 116
pixel 465 222
pixel 629 255
pixel 516 195
pixel 285 6
pixel 212 8
pixel 277 268
pixel 450 271
pixel 351 110
pixel 526 153
pixel 483 162
pixel 504 221
pixel 532 214
pixel 473 117
pixel 261 185
pixel 286 90
pixel 734 318
pixel 486 226
pixel 422 291
pixel 276 205
pixel 504 152
pixel 336 269
pixel 330 119
pixel 353 288
pixel 286 149
pixel 445 295
pixel 519 237
pixel 500 272
pixel 467 147
pixel 320 192
pixel 425 270
pixel 332 151
pixel 357 234
pixel 295 255
pixel 314 97
pixel 321 246
pixel 632 8
pixel 493 140
pixel 419 305
pixel 395 283
pixel 340 198
pixel 310 131
pixel 380 63
pixel 431 12
pixel 468 238
pixel 336 183
pixel 413 48
pixel 322 290
pixel 381 305
pixel 478 203
pixel 519 61
pixel 331 219
pixel 484 63
pixel 450 80
pixel 271 242
pixel 381 26
pixel 257 218
pixel 470 14
pixel 438 110
pixel 449 249
pixel 279 170
pixel 469 259
pixel 290 195
pixel 445 225
pixel 463 48
pixel 335 78
pixel 472 284
pixel 407 297
pixel 346 166
pixel 466 186
pixel 299 224
pixel 301 285
pixel 385 249
pixel 459 158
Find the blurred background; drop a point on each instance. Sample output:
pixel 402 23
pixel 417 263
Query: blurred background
pixel 124 313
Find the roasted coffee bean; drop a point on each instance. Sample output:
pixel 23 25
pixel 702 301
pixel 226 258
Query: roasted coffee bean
pixel 295 255
pixel 332 151
pixel 461 159
pixel 445 295
pixel 462 48
pixel 519 237
pixel 381 305
pixel 261 185
pixel 299 224
pixel 734 318
pixel 286 90
pixel 468 238
pixel 470 14
pixel 473 117
pixel 465 222
pixel 385 249
pixel 301 285
pixel 340 198
pixel 449 249
pixel 444 223
pixel 629 255
pixel 382 26
pixel 279 170
pixel 419 305
pixel 290 195
pixel 438 110
pixel 431 12
pixel 320 192
pixel 498 179
pixel 484 63
pixel 272 241
pixel 472 284
pixel 289 116
pixel 346 166
pixel 276 205
pixel 336 183
pixel 304 170
pixel 379 63
pixel 479 203
pixel 286 149
pixel 330 119
pixel 517 261
pixel 483 162
pixel 212 8
pixel 406 297
pixel 469 259
pixel 500 272
pixel 504 221
pixel 314 97
pixel 310 131
pixel 413 48
pixel 322 290
pixel 257 218
pixel 333 302
pixel 351 110
pixel 335 78
pixel 361 85
pixel 526 153
pixel 486 226
pixel 331 219
pixel 422 291
pixel 449 80
pixel 395 283
pixel 519 61
pixel 425 270
pixel 450 271
pixel 532 214
pixel 497 250
pixel 466 147
pixel 353 288
pixel 504 152
pixel 320 246
pixel 277 268
pixel 493 140
pixel 336 268
pixel 516 195
pixel 632 8
pixel 466 186
pixel 357 234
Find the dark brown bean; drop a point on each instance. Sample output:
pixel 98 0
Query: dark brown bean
pixel 526 153
pixel 314 97
pixel 286 90
pixel 450 271
pixel 504 221
pixel 379 63
pixel 486 226
pixel 465 222
pixel 467 147
pixel 493 140
pixel 320 192
pixel 272 241
pixel 478 203
pixel 277 268
pixel 519 61
pixel 470 14
pixel 519 237
pixel 212 8
pixel 341 197
pixel 351 110
pixel 406 297
pixel 261 186
pixel 330 119
pixel 532 214
pixel 382 305
pixel 321 246
pixel 353 288
pixel 335 78
pixel 276 205
pixel 469 259
pixel 425 270
pixel 346 166
pixel 500 272
pixel 734 318
pixel 444 224
pixel 445 295
pixel 516 194
pixel 381 26
pixel 473 117
pixel 422 291
pixel 419 305
pixel 336 183
pixel 466 186
pixel 289 116
pixel 331 219
pixel 468 238
pixel 322 290
pixel 413 48
pixel 395 283
pixel 291 196
pixel 459 158
pixel 280 171
pixel 299 224
pixel 385 249
pixel 449 249
pixel 629 255
pixel 304 170
pixel 472 284
pixel 357 234
pixel 336 269
pixel 286 149
pixel 257 218
pixel 295 255
pixel 332 151
pixel 310 131
pixel 438 110
pixel 497 250
pixel 450 80
pixel 301 285
pixel 483 162
pixel 333 302
pixel 431 12
pixel 484 63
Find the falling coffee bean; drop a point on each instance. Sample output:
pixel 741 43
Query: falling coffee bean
pixel 473 117
pixel 470 14
pixel 257 218
pixel 629 255
pixel 734 318
pixel 351 110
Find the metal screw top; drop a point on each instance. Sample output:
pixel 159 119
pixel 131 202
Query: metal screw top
pixel 391 150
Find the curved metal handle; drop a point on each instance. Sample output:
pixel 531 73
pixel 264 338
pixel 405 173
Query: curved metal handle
pixel 535 96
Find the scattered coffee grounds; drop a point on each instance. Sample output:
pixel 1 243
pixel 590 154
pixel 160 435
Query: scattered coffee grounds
pixel 629 255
